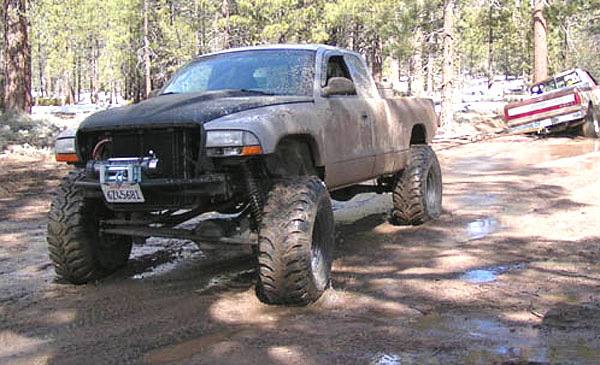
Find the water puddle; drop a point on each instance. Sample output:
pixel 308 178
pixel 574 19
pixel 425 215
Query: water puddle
pixel 490 274
pixel 356 202
pixel 159 256
pixel 485 340
pixel 475 201
pixel 562 150
pixel 481 228
pixel 361 206
pixel 386 359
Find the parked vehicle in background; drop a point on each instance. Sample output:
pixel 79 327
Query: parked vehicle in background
pixel 570 100
pixel 264 134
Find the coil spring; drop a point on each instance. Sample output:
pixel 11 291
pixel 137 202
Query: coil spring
pixel 254 196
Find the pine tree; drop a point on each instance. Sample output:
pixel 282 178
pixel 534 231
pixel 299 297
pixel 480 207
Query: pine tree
pixel 540 42
pixel 448 68
pixel 17 58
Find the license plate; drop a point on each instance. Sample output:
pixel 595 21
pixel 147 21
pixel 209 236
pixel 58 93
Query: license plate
pixel 124 193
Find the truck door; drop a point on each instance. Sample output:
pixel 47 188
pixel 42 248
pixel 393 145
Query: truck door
pixel 387 132
pixel 348 135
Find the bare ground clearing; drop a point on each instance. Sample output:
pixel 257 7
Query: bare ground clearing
pixel 509 274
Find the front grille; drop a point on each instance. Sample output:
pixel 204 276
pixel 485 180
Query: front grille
pixel 178 149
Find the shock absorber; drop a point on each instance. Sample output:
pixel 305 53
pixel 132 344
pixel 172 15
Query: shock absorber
pixel 254 194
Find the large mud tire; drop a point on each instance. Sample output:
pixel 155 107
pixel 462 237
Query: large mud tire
pixel 77 250
pixel 417 193
pixel 296 240
pixel 591 127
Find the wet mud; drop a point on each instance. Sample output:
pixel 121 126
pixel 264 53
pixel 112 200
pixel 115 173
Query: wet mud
pixel 509 274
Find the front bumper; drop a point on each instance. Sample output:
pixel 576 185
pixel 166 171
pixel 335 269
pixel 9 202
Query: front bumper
pixel 170 193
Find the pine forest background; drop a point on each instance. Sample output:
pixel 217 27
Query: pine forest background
pixel 129 47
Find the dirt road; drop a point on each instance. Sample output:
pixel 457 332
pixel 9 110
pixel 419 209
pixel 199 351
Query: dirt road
pixel 509 274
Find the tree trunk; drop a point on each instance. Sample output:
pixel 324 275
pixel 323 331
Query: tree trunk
pixel 448 66
pixel 355 38
pixel 395 70
pixel 490 47
pixel 94 76
pixel 540 42
pixel 377 59
pixel 566 45
pixel 410 82
pixel 226 28
pixel 2 29
pixel 417 78
pixel 430 73
pixel 68 88
pixel 17 71
pixel 147 65
pixel 43 91
pixel 78 79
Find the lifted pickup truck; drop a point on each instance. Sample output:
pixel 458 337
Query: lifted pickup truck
pixel 264 135
pixel 567 101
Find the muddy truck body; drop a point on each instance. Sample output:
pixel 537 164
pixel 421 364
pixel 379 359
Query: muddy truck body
pixel 570 100
pixel 265 136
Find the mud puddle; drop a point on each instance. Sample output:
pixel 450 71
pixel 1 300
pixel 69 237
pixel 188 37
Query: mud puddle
pixel 495 341
pixel 546 152
pixel 490 274
pixel 481 228
pixel 161 258
pixel 561 149
pixel 361 206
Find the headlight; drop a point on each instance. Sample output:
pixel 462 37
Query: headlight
pixel 64 147
pixel 232 143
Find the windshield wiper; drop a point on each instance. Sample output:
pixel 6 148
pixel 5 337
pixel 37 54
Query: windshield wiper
pixel 253 91
pixel 169 93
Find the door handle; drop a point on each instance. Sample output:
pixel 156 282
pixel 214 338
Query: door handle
pixel 364 118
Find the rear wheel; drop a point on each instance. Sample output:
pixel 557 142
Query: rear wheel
pixel 417 193
pixel 79 252
pixel 591 127
pixel 295 242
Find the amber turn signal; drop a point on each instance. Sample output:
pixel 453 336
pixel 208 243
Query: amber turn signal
pixel 66 157
pixel 251 150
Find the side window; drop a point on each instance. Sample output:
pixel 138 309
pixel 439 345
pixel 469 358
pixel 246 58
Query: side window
pixel 364 83
pixel 336 67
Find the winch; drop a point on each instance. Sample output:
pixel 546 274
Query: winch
pixel 121 170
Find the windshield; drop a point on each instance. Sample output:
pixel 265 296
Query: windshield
pixel 272 72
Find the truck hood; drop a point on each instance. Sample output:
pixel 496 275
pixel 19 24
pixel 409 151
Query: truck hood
pixel 183 109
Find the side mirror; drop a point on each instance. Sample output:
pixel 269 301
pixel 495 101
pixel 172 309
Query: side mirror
pixel 339 86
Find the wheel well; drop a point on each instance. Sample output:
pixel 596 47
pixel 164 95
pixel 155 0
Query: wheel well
pixel 295 155
pixel 418 135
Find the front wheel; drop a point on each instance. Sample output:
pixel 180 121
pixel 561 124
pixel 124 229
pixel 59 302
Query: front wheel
pixel 591 127
pixel 296 240
pixel 79 252
pixel 417 193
